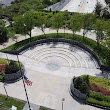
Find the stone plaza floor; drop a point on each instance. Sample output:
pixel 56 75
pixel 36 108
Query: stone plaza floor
pixel 51 67
pixel 83 6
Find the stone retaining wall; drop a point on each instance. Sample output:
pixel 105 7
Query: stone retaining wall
pixel 75 92
pixel 10 78
pixel 54 40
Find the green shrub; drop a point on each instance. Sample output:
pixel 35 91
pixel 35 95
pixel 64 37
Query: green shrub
pixel 99 96
pixel 12 67
pixel 1 75
pixel 77 83
pixel 3 61
pixel 82 84
pixel 84 88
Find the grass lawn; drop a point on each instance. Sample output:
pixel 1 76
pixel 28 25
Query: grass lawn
pixel 11 101
pixel 99 90
pixel 3 61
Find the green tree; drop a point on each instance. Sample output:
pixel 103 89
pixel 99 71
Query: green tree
pixel 99 30
pixel 3 32
pixel 57 21
pixel 75 23
pixel 88 21
pixel 41 23
pixel 12 67
pixel 24 24
pixel 77 83
pixel 84 88
pixel 65 14
pixel 98 8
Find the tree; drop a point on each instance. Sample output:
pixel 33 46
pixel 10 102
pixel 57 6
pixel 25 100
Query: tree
pixel 84 88
pixel 12 67
pixel 75 23
pixel 88 21
pixel 98 8
pixel 77 83
pixel 24 24
pixel 57 21
pixel 41 23
pixel 65 14
pixel 99 30
pixel 29 23
pixel 3 32
pixel 46 1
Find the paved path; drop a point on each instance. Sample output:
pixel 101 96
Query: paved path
pixel 51 83
pixel 80 6
pixel 83 6
pixel 36 31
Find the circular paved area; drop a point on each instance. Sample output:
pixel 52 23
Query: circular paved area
pixel 61 59
pixel 51 67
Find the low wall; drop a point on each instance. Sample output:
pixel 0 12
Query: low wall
pixel 10 78
pixel 72 42
pixel 54 40
pixel 75 92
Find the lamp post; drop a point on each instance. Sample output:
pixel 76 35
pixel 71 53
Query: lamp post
pixel 24 84
pixel 63 99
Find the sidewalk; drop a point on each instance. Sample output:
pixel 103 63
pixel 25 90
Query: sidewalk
pixel 36 31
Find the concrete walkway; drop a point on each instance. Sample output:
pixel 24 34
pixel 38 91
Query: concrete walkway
pixel 80 6
pixel 49 87
pixel 36 31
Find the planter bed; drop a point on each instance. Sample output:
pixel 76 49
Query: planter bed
pixel 98 94
pixel 10 71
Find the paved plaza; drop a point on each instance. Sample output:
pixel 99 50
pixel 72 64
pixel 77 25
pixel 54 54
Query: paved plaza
pixel 37 31
pixel 82 6
pixel 51 67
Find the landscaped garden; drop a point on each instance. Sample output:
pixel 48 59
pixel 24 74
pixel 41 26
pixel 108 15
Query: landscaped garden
pixel 102 51
pixel 8 67
pixel 97 89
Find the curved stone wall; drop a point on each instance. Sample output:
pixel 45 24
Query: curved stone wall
pixel 75 92
pixel 10 78
pixel 72 42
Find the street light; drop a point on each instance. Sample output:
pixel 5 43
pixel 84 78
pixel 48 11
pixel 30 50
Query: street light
pixel 24 83
pixel 63 99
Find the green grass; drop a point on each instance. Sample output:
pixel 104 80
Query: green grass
pixel 101 103
pixel 98 98
pixel 44 108
pixel 11 101
pixel 100 82
pixel 3 61
pixel 102 53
